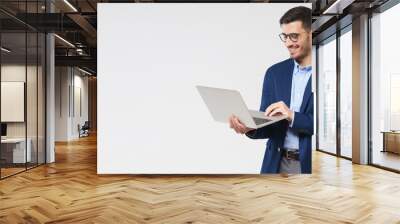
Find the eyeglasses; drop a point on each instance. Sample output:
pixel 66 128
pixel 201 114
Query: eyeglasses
pixel 294 37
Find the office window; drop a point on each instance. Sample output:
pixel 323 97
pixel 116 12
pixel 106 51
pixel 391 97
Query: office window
pixel 346 92
pixel 385 89
pixel 327 95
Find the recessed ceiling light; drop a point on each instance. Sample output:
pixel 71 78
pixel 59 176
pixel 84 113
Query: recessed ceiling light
pixel 84 71
pixel 338 6
pixel 70 5
pixel 5 50
pixel 64 40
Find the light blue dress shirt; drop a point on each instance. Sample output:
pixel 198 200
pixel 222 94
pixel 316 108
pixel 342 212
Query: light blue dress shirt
pixel 300 78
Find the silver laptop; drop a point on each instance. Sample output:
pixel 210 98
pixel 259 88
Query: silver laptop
pixel 223 103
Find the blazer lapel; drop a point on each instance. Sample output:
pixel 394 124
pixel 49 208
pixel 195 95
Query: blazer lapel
pixel 307 95
pixel 286 80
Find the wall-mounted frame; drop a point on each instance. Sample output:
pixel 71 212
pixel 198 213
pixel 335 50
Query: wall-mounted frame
pixel 12 98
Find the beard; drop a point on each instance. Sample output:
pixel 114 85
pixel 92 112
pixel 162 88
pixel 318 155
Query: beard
pixel 306 51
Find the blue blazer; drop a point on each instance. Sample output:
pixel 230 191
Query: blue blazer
pixel 277 87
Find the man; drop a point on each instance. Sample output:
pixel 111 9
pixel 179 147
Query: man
pixel 287 90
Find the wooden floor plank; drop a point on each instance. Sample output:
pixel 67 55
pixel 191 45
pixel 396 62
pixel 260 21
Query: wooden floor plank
pixel 70 191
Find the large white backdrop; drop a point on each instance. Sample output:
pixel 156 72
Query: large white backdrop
pixel 151 119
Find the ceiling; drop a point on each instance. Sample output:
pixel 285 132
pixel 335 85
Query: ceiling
pixel 76 22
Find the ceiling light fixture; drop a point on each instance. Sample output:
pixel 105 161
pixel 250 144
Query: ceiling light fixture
pixel 5 50
pixel 70 5
pixel 84 71
pixel 338 6
pixel 65 41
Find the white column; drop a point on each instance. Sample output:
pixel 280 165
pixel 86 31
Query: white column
pixel 360 90
pixel 50 93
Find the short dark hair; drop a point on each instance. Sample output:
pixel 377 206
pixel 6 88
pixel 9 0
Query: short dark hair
pixel 299 13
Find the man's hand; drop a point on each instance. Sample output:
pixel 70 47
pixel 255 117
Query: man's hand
pixel 279 108
pixel 235 124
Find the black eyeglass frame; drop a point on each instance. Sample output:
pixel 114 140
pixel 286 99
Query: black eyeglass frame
pixel 294 37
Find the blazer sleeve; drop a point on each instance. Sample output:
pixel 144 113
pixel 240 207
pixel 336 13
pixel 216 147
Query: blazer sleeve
pixel 304 122
pixel 267 99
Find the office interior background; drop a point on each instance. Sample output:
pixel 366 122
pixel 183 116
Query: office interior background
pixel 48 105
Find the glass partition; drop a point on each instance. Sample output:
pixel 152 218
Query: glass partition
pixel 41 87
pixel 14 153
pixel 22 67
pixel 32 95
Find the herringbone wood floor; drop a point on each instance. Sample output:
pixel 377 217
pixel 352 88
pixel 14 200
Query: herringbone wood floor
pixel 69 191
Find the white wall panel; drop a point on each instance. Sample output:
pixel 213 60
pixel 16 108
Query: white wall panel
pixel 150 58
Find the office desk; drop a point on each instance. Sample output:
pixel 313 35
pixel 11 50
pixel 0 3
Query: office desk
pixel 391 141
pixel 13 150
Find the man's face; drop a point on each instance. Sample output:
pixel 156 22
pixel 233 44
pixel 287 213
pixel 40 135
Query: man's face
pixel 301 47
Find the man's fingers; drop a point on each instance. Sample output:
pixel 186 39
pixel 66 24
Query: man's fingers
pixel 271 108
pixel 235 124
pixel 279 111
pixel 232 119
pixel 230 122
pixel 276 111
pixel 241 126
pixel 238 125
pixel 268 110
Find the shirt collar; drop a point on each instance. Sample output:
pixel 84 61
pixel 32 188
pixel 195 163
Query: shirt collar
pixel 298 67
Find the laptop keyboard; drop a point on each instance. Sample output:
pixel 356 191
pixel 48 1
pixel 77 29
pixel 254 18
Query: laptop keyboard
pixel 259 121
